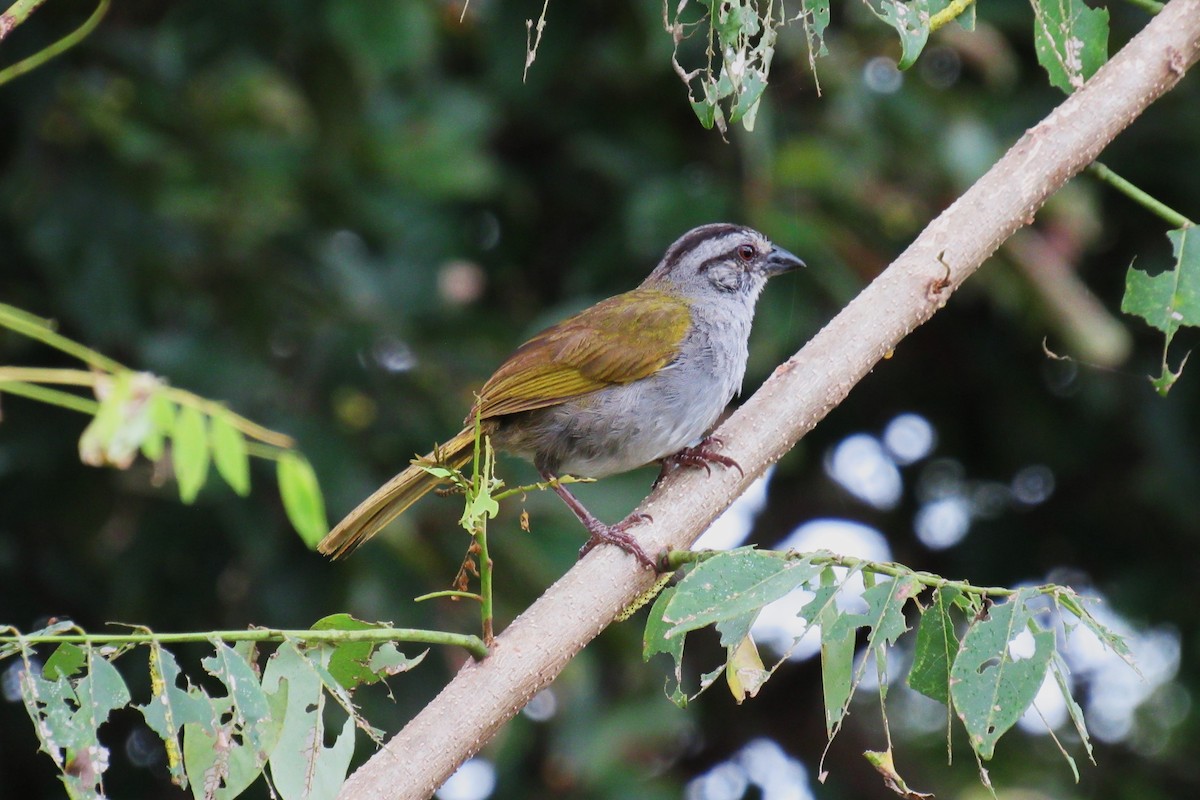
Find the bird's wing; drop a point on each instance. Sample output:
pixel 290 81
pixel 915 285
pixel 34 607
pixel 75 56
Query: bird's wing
pixel 619 340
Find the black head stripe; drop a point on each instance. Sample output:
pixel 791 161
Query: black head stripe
pixel 693 239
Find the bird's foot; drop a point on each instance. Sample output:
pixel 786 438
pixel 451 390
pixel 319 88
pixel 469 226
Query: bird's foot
pixel 704 454
pixel 619 536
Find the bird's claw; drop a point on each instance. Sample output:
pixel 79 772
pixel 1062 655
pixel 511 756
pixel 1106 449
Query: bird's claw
pixel 704 454
pixel 619 536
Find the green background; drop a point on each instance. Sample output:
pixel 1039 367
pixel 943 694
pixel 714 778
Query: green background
pixel 340 217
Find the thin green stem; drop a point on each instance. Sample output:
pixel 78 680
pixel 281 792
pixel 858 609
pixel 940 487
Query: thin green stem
pixel 948 14
pixel 51 396
pixel 68 377
pixel 17 13
pixel 42 330
pixel 1170 215
pixel 1149 6
pixel 58 48
pixel 450 593
pixel 212 408
pixel 481 482
pixel 540 486
pixel 471 643
pixel 677 558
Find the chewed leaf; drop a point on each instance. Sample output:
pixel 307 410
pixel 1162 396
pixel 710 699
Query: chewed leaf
pixel 655 641
pixel 994 680
pixel 301 765
pixel 68 713
pixel 911 20
pixel 1170 299
pixel 937 645
pixel 1071 40
pixel 354 663
pixel 170 708
pixel 733 584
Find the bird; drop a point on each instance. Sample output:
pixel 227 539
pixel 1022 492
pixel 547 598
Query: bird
pixel 638 378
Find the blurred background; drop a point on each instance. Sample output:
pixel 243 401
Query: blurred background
pixel 340 217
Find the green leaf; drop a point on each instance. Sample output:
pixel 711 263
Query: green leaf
pixel 161 412
pixel 229 453
pixel 123 421
pixel 814 16
pixel 225 750
pixel 354 663
pixel 733 584
pixel 302 498
pixel 736 629
pixel 1171 299
pixel 65 662
pixel 68 714
pixel 1059 669
pixel 1071 40
pixel 238 675
pixel 655 641
pixel 990 685
pixel 884 618
pixel 911 21
pixel 301 765
pixel 837 667
pixel 936 647
pixel 189 452
pixel 170 708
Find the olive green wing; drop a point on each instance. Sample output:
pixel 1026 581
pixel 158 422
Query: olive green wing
pixel 619 340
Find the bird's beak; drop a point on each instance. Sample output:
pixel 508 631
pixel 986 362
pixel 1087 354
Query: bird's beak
pixel 781 261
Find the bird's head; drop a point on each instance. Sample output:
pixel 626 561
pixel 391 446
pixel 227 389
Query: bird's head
pixel 721 260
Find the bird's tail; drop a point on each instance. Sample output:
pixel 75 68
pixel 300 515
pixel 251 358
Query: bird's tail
pixel 394 497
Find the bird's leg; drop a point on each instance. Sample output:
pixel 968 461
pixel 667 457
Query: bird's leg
pixel 599 532
pixel 702 454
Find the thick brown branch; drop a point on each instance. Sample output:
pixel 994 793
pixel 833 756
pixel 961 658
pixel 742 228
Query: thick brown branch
pixel 533 650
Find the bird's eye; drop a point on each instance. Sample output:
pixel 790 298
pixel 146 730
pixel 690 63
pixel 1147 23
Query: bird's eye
pixel 747 253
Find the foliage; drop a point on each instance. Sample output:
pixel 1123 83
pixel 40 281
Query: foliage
pixel 1170 299
pixel 138 412
pixel 988 676
pixel 216 744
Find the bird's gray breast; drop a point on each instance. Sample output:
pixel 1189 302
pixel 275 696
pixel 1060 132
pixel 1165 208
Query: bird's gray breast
pixel 623 427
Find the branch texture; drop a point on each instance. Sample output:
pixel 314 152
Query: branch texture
pixel 538 644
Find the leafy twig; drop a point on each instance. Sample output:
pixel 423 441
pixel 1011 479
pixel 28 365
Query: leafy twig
pixel 471 643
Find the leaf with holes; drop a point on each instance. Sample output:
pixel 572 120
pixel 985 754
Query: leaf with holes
pixel 1170 299
pixel 655 641
pixel 1071 40
pixel 993 682
pixel 730 585
pixel 67 715
pixel 170 708
pixel 936 647
pixel 911 22
pixel 301 765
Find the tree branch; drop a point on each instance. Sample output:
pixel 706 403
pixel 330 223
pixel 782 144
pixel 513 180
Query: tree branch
pixel 539 643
